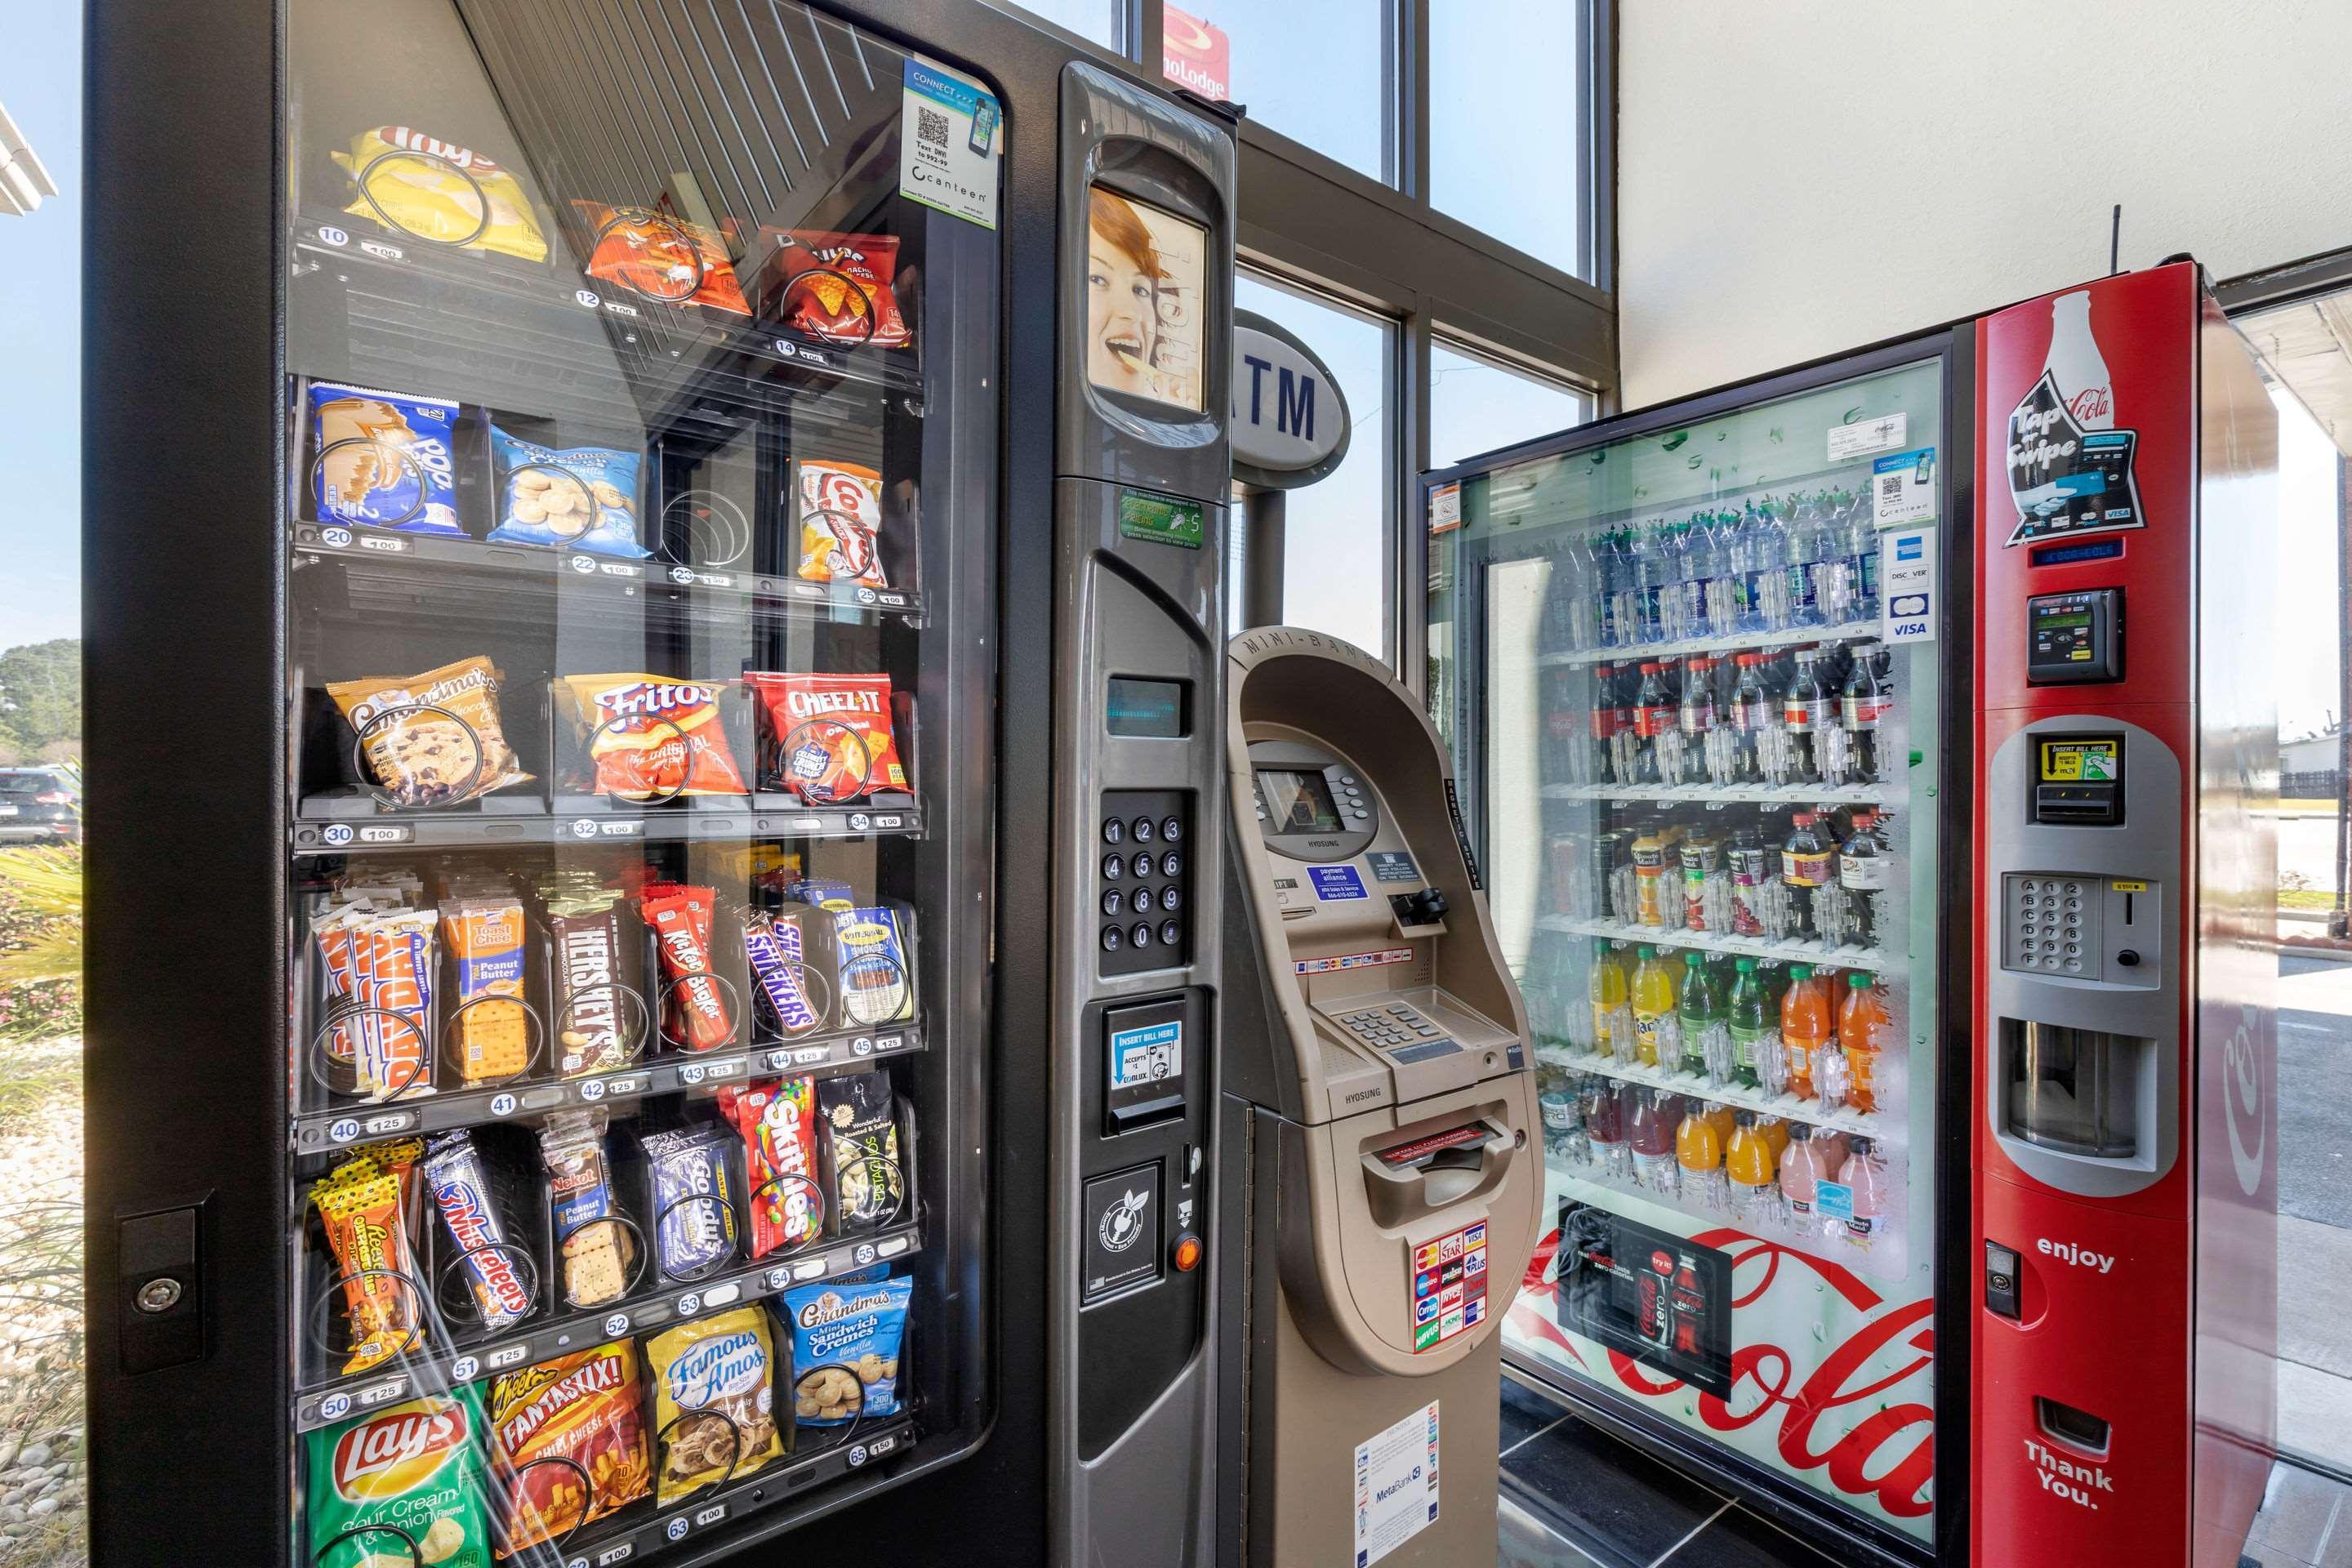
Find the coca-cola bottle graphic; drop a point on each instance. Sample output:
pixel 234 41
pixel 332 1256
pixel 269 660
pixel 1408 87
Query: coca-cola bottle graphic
pixel 2070 469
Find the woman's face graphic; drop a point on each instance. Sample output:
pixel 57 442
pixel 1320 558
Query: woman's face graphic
pixel 1123 316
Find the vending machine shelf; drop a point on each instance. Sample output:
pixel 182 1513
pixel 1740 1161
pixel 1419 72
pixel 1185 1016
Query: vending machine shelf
pixel 352 821
pixel 432 1370
pixel 1800 795
pixel 1691 1086
pixel 320 1131
pixel 1843 956
pixel 1851 631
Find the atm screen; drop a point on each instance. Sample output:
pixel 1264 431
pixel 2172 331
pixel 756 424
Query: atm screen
pixel 1298 802
pixel 2080 761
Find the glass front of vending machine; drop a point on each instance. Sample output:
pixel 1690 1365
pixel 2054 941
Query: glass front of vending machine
pixel 1694 666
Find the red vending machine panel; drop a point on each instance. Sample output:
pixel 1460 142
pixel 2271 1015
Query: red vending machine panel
pixel 2121 728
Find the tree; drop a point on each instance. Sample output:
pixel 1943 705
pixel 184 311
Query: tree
pixel 40 692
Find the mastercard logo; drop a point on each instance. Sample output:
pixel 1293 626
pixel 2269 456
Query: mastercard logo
pixel 394 1454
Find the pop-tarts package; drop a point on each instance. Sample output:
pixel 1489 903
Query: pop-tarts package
pixel 580 497
pixel 845 1339
pixel 382 459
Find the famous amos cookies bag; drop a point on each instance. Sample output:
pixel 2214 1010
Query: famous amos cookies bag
pixel 430 758
pixel 400 1488
pixel 586 1409
pixel 846 1336
pixel 830 735
pixel 714 1401
pixel 838 287
pixel 578 497
pixel 650 738
pixel 840 507
pixel 659 257
pixel 433 190
pixel 382 459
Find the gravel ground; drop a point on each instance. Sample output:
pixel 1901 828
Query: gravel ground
pixel 42 1466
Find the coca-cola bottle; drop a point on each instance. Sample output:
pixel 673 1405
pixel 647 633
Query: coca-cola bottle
pixel 1656 720
pixel 1699 719
pixel 2075 364
pixel 1807 866
pixel 1755 723
pixel 1563 756
pixel 1805 711
pixel 1864 705
pixel 1604 725
pixel 1863 863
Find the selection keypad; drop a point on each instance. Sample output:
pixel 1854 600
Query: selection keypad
pixel 1143 892
pixel 2050 924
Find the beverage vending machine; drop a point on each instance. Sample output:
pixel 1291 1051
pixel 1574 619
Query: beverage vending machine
pixel 1727 689
pixel 619 481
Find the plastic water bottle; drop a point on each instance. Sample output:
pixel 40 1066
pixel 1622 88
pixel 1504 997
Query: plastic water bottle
pixel 1862 549
pixel 1802 549
pixel 1673 598
pixel 1582 590
pixel 1652 581
pixel 1621 621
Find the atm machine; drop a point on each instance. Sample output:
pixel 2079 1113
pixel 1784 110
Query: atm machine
pixel 1381 1169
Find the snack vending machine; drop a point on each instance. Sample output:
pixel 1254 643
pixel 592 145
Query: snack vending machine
pixel 621 461
pixel 1698 668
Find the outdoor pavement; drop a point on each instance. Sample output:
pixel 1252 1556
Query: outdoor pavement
pixel 2315 1236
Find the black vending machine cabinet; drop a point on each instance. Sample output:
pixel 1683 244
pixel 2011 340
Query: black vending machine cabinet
pixel 573 584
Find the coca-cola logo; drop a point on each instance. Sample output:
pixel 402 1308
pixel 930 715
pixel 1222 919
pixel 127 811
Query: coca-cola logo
pixel 2242 1095
pixel 1838 1408
pixel 2092 406
pixel 389 1455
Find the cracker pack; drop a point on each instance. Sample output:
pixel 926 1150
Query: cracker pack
pixel 485 936
pixel 831 734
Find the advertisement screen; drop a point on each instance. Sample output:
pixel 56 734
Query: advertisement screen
pixel 1145 271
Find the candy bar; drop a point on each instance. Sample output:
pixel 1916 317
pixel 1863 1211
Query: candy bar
pixel 695 1011
pixel 777 1124
pixel 694 1199
pixel 778 956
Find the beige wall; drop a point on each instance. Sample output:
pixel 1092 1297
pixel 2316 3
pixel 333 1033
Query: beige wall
pixel 1801 176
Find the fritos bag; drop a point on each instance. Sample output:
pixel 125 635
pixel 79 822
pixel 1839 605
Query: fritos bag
pixel 401 1487
pixel 651 737
pixel 837 287
pixel 841 523
pixel 714 1367
pixel 429 189
pixel 424 759
pixel 662 258
pixel 586 1407
pixel 833 731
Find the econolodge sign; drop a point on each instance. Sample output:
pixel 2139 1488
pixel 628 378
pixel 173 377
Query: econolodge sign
pixel 1289 425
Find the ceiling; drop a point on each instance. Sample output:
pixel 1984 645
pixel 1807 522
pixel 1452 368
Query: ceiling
pixel 2308 346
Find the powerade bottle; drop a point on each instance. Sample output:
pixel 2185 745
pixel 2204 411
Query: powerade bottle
pixel 1753 1027
pixel 1707 1040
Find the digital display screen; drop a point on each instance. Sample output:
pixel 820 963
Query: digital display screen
pixel 2067 555
pixel 1298 802
pixel 1152 709
pixel 2081 761
pixel 2062 620
pixel 1146 272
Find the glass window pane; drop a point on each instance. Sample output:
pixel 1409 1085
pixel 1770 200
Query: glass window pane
pixel 1489 107
pixel 1476 405
pixel 1097 19
pixel 1319 71
pixel 1335 556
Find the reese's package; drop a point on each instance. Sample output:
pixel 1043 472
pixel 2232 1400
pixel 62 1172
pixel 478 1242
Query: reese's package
pixel 832 733
pixel 837 287
pixel 433 190
pixel 718 1374
pixel 651 737
pixel 586 1408
pixel 840 508
pixel 777 1121
pixel 382 460
pixel 662 257
pixel 578 497
pixel 400 1487
pixel 846 1335
pixel 424 758
pixel 364 1204
pixel 860 1114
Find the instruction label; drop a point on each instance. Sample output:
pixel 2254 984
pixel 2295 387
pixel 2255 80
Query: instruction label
pixel 1396 1485
pixel 951 131
pixel 1903 488
pixel 1906 578
pixel 1148 1054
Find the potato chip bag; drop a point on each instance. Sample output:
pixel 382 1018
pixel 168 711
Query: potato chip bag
pixel 714 1400
pixel 585 1408
pixel 833 734
pixel 841 523
pixel 837 287
pixel 436 191
pixel 428 758
pixel 650 738
pixel 581 498
pixel 659 257
pixel 401 1486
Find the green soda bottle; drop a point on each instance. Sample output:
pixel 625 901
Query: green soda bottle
pixel 1752 1019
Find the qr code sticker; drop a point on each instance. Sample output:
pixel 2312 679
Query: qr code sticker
pixel 930 126
pixel 1890 488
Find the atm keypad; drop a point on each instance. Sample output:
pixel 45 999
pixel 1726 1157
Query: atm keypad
pixel 1143 888
pixel 1398 1029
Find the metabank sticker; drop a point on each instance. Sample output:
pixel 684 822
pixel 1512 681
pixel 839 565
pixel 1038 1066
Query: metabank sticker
pixel 1396 1485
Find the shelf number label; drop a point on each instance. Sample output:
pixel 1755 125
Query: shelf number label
pixel 337 833
pixel 344 1130
pixel 502 1105
pixel 616 1325
pixel 862 1047
pixel 691 1073
pixel 334 1407
pixel 465 1369
pixel 592 1088
pixel 689 1304
pixel 677 1528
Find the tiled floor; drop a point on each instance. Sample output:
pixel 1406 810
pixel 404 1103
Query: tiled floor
pixel 1573 1496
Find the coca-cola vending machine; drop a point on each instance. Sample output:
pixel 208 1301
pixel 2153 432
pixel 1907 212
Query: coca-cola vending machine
pixel 1728 687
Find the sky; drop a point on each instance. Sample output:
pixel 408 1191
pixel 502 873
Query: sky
pixel 40 338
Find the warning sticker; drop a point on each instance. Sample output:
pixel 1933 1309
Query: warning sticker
pixel 1351 961
pixel 1449 1286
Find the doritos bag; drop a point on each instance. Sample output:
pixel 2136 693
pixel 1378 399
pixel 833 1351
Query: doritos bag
pixel 837 287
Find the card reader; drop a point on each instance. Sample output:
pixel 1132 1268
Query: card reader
pixel 2073 638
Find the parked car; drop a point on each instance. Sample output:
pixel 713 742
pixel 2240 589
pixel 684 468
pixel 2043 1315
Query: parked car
pixel 39 805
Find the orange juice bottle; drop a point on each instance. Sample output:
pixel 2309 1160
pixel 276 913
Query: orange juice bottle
pixel 1751 1168
pixel 1698 1150
pixel 1776 1133
pixel 1657 1032
pixel 1613 1019
pixel 1726 1120
pixel 1805 1026
pixel 1862 1032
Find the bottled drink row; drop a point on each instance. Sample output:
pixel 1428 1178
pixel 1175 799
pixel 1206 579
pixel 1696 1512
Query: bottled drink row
pixel 1770 1176
pixel 1808 559
pixel 1820 714
pixel 1751 1024
pixel 1820 878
